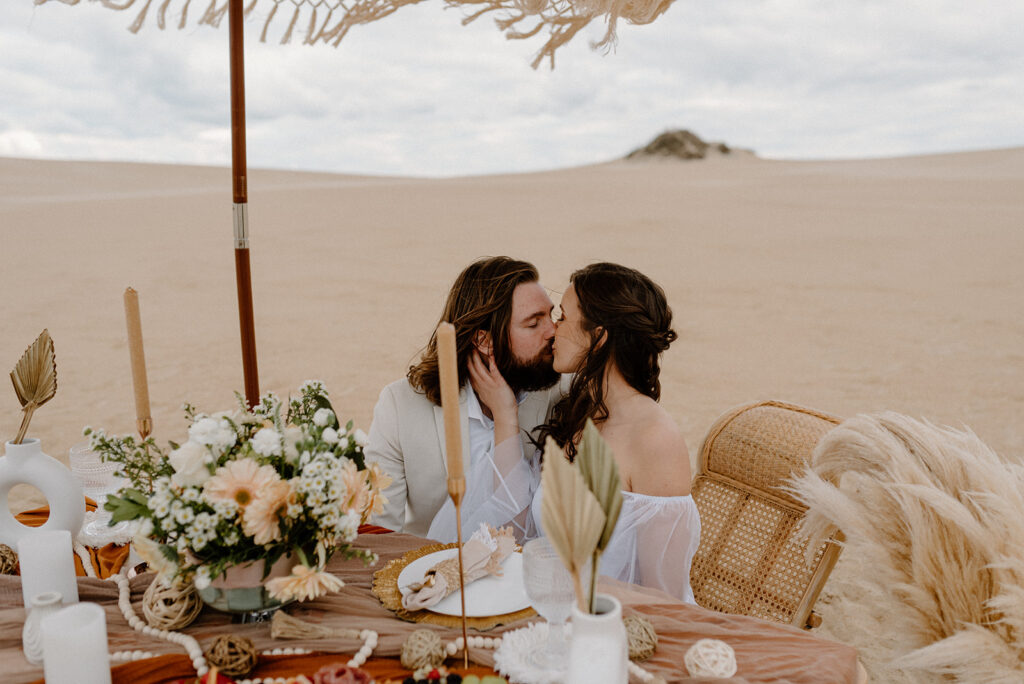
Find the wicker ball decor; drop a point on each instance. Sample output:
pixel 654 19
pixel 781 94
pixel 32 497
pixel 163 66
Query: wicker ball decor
pixel 423 648
pixel 232 655
pixel 8 560
pixel 641 637
pixel 170 607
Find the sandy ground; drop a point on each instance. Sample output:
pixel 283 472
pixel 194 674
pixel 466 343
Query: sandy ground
pixel 847 286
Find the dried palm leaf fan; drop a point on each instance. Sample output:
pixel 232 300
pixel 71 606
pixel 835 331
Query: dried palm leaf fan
pixel 570 515
pixel 580 506
pixel 35 379
pixel 597 466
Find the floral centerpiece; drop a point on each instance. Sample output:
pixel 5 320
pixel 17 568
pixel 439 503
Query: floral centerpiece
pixel 273 482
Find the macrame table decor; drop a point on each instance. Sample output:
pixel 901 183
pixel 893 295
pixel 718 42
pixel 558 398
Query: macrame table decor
pixel 423 648
pixel 232 655
pixel 8 560
pixel 328 21
pixel 640 636
pixel 171 607
pixel 710 658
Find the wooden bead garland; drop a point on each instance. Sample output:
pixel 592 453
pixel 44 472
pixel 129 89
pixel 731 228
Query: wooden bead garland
pixel 641 637
pixel 8 560
pixel 171 607
pixel 423 648
pixel 232 655
pixel 124 602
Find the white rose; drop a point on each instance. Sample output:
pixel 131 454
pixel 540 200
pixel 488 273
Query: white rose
pixel 330 435
pixel 189 463
pixel 292 435
pixel 213 432
pixel 360 437
pixel 322 417
pixel 202 578
pixel 267 442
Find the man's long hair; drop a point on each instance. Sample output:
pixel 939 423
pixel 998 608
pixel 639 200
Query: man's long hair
pixel 629 323
pixel 480 299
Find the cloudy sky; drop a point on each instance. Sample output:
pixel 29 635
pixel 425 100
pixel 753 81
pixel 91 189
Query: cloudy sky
pixel 419 94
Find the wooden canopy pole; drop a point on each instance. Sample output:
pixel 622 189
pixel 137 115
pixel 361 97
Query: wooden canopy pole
pixel 240 207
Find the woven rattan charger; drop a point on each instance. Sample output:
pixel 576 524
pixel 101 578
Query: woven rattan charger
pixel 385 588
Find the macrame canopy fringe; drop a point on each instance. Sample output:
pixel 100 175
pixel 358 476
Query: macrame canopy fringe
pixel 329 21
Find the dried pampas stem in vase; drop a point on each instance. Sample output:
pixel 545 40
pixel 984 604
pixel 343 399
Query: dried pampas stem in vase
pixel 35 379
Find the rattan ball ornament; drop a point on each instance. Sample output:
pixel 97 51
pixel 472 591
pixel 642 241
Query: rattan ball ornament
pixel 8 560
pixel 171 607
pixel 641 637
pixel 423 648
pixel 710 658
pixel 232 655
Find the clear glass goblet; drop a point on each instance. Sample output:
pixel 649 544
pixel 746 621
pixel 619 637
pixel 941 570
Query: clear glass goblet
pixel 98 481
pixel 550 590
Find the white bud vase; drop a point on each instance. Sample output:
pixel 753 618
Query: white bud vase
pixel 26 463
pixel 598 653
pixel 31 637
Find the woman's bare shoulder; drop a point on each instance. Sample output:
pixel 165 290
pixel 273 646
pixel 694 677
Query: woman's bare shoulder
pixel 662 458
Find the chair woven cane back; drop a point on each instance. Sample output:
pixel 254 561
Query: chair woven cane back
pixel 751 560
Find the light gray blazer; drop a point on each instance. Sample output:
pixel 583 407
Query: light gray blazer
pixel 407 440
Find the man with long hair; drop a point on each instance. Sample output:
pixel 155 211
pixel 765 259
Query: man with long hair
pixel 503 336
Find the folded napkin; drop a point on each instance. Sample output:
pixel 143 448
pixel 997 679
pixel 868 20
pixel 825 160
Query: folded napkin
pixel 482 555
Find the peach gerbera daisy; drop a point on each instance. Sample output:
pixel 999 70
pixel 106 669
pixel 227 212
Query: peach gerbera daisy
pixel 303 584
pixel 261 519
pixel 239 481
pixel 357 488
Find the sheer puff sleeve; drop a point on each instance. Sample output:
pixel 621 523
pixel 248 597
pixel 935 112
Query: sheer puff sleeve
pixel 654 543
pixel 498 492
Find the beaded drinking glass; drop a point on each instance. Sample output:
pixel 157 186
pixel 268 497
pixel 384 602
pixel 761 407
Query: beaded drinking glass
pixel 550 590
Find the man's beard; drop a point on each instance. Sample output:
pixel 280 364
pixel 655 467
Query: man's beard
pixel 533 375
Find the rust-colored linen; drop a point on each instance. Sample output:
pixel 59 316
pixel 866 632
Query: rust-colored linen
pixel 106 561
pixel 765 652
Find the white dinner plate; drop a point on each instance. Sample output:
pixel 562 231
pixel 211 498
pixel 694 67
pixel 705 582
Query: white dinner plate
pixel 485 597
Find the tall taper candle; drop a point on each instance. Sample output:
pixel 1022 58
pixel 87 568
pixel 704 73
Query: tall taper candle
pixel 446 361
pixel 143 420
pixel 47 564
pixel 75 646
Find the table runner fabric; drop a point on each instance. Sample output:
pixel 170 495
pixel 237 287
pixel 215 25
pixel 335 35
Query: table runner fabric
pixel 765 652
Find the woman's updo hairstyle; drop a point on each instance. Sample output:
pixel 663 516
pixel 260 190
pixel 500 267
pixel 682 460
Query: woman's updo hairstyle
pixel 629 322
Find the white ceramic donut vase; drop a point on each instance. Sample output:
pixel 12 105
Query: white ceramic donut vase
pixel 27 464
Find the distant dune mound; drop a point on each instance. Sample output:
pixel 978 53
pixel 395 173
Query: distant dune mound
pixel 683 144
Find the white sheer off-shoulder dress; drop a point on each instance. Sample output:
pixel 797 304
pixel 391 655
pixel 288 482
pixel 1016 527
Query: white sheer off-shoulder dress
pixel 653 544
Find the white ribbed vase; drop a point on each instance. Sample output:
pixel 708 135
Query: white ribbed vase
pixel 31 638
pixel 598 653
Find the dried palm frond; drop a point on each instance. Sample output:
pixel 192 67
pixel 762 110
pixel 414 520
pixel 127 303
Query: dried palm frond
pixel 599 471
pixel 939 519
pixel 35 379
pixel 570 515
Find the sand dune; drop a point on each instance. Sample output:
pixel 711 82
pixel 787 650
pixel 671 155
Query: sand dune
pixel 847 286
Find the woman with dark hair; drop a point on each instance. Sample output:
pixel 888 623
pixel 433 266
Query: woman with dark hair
pixel 614 324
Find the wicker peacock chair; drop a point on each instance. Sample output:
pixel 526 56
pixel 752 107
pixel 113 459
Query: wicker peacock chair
pixel 751 560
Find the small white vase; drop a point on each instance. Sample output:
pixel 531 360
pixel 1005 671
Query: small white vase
pixel 26 463
pixel 598 652
pixel 31 637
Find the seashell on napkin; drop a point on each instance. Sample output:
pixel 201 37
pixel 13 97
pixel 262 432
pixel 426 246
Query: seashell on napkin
pixel 482 555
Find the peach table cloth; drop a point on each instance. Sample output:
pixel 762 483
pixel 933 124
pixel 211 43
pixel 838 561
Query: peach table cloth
pixel 765 652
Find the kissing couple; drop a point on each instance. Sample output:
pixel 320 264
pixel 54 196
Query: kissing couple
pixel 528 371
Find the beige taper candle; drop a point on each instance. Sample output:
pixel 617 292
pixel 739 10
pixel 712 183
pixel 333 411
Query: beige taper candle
pixel 143 420
pixel 447 365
